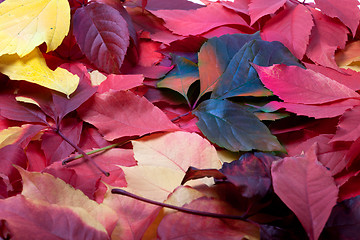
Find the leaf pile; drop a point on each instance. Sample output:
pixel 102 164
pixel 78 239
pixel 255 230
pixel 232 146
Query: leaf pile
pixel 240 115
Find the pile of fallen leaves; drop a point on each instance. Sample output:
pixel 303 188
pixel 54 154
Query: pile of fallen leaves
pixel 171 120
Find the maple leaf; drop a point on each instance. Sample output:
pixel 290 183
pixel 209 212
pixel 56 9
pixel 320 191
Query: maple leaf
pixel 109 35
pixel 307 188
pixel 33 68
pixel 27 24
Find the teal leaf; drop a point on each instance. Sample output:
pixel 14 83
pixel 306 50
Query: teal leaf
pixel 233 127
pixel 241 79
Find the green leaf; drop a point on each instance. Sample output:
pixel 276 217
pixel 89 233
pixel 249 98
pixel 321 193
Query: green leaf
pixel 241 79
pixel 233 127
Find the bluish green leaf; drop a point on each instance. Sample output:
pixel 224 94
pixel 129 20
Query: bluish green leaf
pixel 241 79
pixel 233 127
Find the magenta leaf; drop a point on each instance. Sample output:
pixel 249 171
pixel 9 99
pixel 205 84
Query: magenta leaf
pixel 307 188
pixel 297 85
pixel 260 8
pixel 292 27
pixel 348 128
pixel 346 10
pixel 102 35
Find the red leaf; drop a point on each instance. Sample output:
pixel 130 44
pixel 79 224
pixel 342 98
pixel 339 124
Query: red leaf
pixel 102 35
pixel 346 10
pixel 194 22
pixel 186 226
pixel 307 188
pixel 122 113
pixel 120 82
pixel 292 27
pixel 348 128
pixel 260 8
pixel 326 36
pixel 305 86
pixel 346 77
pixel 54 146
pixel 317 111
pixel 237 5
pixel 26 218
pixel 350 188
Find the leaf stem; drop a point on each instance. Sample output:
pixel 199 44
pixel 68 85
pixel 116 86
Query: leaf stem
pixel 79 150
pixel 180 116
pixel 181 209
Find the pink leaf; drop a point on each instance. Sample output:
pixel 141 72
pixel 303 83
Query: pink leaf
pixel 297 85
pixel 260 8
pixel 317 111
pixel 194 22
pixel 326 36
pixel 292 27
pixel 237 5
pixel 346 10
pixel 307 188
pixel 122 113
pixel 102 35
pixel 346 77
pixel 348 128
pixel 120 82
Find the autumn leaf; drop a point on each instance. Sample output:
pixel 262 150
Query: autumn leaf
pixel 122 113
pixel 307 188
pixel 33 68
pixel 219 117
pixel 26 24
pixel 102 35
pixel 259 8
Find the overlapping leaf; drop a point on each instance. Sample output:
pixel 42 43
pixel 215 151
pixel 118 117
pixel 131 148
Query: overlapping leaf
pixel 26 24
pixel 102 35
pixel 231 126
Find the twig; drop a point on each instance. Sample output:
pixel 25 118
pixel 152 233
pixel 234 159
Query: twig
pixel 79 150
pixel 181 209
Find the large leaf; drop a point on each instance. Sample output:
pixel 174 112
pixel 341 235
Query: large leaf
pixel 194 22
pixel 346 10
pixel 33 68
pixel 163 160
pixel 297 85
pixel 307 188
pixel 28 23
pixel 102 35
pixel 240 78
pixel 231 126
pixel 215 55
pixel 292 27
pixel 122 113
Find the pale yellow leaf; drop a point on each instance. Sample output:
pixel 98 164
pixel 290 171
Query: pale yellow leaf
pixel 9 135
pixel 33 68
pixel 45 188
pixel 97 78
pixel 344 58
pixel 26 24
pixel 27 100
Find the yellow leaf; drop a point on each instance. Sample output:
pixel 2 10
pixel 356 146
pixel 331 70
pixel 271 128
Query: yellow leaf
pixel 349 57
pixel 25 24
pixel 45 188
pixel 33 68
pixel 10 135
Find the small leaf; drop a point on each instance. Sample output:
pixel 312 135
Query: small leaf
pixel 181 77
pixel 102 35
pixel 32 68
pixel 241 79
pixel 260 8
pixel 231 126
pixel 28 23
pixel 348 128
